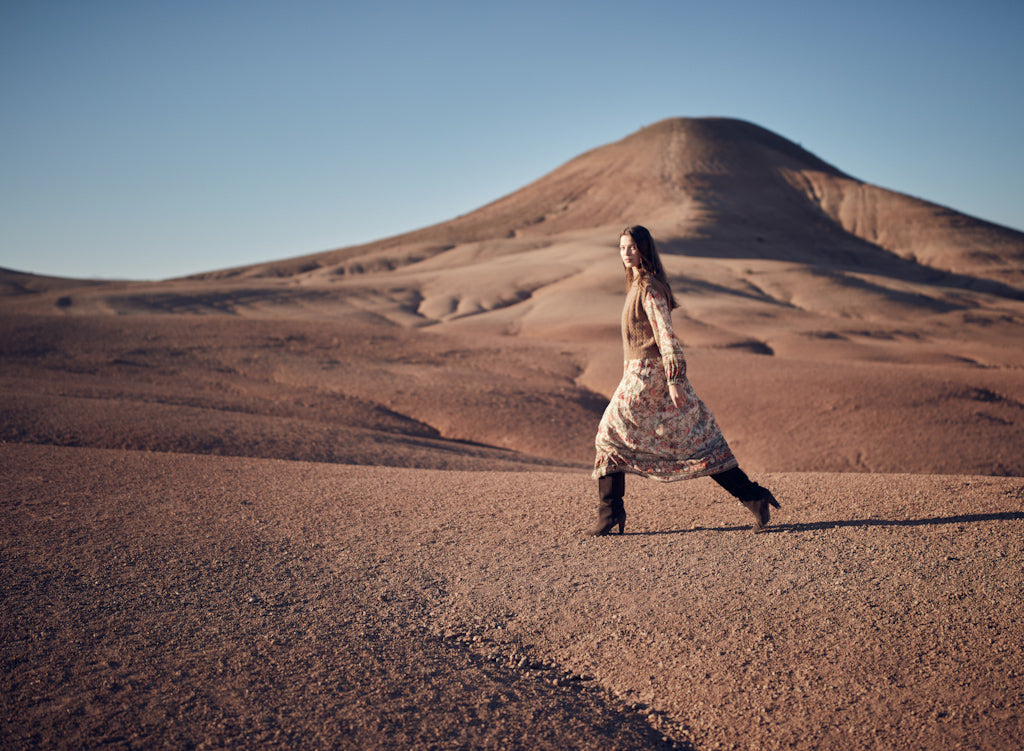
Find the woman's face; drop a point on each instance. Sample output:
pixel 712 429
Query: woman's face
pixel 628 252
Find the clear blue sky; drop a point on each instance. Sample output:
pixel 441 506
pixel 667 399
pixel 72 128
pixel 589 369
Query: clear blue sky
pixel 145 139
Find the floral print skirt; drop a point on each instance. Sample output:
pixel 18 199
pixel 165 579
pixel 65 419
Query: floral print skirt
pixel 644 433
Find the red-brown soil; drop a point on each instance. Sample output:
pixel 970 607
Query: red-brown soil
pixel 199 601
pixel 339 501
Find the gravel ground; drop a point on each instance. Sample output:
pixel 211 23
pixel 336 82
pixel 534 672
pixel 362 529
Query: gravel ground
pixel 159 600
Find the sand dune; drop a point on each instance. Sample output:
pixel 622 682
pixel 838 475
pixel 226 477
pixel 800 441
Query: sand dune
pixel 355 481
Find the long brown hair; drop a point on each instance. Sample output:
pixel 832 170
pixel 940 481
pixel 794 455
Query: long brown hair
pixel 651 270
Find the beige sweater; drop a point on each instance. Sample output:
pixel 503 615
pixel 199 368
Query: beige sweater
pixel 647 329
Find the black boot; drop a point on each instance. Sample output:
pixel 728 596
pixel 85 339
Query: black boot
pixel 759 500
pixel 755 499
pixel 610 508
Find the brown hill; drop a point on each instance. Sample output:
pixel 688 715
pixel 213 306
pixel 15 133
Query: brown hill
pixel 867 329
pixel 709 187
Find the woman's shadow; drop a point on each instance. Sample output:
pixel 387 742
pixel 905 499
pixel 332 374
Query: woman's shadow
pixel 999 516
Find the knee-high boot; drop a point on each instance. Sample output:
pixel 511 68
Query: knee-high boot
pixel 755 498
pixel 610 507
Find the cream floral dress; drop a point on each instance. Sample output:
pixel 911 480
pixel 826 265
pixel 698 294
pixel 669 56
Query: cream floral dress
pixel 642 432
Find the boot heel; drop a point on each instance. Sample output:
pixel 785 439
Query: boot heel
pixel 761 508
pixel 607 527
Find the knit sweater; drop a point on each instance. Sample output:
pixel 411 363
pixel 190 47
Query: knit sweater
pixel 647 332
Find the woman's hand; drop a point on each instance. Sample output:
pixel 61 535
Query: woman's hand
pixel 676 393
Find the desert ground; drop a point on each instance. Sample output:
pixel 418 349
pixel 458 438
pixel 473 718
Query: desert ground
pixel 340 500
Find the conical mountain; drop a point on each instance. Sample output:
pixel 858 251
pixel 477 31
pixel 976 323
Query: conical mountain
pixel 708 187
pixel 831 325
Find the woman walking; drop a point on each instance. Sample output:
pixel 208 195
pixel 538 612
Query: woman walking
pixel 655 425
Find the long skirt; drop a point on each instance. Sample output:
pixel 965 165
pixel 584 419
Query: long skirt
pixel 643 433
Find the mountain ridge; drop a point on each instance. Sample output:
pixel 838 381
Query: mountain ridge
pixel 707 186
pixel 816 349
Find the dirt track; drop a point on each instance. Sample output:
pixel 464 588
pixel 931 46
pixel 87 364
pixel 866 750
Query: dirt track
pixel 154 599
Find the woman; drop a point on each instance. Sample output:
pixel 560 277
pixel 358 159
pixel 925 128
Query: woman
pixel 655 425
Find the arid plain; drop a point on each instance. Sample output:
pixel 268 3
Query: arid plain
pixel 339 501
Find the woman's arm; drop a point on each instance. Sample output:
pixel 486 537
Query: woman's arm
pixel 660 316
